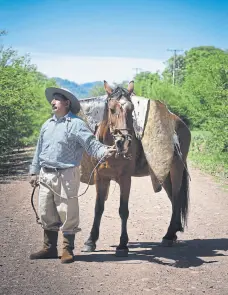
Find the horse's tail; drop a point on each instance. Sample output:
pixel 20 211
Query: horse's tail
pixel 183 198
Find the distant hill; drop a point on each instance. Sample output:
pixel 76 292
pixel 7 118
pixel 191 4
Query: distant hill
pixel 80 90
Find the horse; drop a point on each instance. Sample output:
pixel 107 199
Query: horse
pixel 116 128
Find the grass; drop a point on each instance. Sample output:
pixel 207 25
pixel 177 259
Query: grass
pixel 204 157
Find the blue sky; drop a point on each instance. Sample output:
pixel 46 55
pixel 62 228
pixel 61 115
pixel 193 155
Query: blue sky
pixel 95 39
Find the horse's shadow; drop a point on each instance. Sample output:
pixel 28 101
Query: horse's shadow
pixel 180 256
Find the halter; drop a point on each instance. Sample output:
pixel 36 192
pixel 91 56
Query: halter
pixel 117 132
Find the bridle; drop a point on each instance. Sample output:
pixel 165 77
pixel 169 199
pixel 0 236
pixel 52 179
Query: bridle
pixel 118 133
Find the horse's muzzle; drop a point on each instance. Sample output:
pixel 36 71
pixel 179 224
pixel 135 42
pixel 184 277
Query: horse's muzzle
pixel 122 143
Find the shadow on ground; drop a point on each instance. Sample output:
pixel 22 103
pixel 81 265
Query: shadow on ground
pixel 15 165
pixel 189 254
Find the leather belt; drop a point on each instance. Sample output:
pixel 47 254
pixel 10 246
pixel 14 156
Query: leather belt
pixel 51 170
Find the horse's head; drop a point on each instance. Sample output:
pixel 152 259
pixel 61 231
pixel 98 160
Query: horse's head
pixel 120 107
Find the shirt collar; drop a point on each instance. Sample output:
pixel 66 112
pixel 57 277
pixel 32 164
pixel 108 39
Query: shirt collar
pixel 67 117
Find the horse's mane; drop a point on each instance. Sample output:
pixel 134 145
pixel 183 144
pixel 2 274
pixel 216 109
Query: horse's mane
pixel 118 92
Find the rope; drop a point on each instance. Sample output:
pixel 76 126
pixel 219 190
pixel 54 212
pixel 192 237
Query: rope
pixel 92 175
pixel 34 209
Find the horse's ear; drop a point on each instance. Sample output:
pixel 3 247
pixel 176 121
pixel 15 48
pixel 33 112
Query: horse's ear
pixel 130 87
pixel 107 88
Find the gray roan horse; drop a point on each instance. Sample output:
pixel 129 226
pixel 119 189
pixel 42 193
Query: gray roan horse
pixel 117 128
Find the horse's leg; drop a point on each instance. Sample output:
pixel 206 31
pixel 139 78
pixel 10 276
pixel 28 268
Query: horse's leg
pixel 176 186
pixel 102 187
pixel 170 236
pixel 125 186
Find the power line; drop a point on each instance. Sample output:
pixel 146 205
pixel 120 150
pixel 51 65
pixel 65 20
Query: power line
pixel 174 61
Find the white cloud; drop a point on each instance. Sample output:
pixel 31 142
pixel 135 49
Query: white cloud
pixel 87 69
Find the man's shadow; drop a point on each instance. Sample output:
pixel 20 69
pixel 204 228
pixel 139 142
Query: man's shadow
pixel 189 254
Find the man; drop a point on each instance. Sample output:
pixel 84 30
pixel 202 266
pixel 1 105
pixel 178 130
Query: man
pixel 62 141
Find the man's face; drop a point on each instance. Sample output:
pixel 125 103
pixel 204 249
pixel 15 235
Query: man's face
pixel 60 105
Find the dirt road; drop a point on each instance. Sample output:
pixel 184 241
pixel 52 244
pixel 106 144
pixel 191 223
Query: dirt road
pixel 199 267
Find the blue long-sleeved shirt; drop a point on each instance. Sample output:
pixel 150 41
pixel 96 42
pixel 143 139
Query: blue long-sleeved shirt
pixel 62 142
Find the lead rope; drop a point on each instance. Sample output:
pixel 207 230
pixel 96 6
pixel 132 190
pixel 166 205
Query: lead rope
pixel 33 207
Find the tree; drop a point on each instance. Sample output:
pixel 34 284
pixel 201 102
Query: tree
pixel 144 82
pixel 97 90
pixel 23 106
pixel 179 69
pixel 206 83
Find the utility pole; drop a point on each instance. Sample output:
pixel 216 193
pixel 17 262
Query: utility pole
pixel 137 70
pixel 174 62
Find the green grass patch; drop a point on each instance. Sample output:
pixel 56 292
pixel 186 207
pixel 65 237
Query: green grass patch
pixel 205 157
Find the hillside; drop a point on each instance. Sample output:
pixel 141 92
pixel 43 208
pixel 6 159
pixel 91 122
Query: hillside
pixel 80 90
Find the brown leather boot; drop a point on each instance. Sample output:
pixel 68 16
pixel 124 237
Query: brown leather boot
pixel 49 248
pixel 68 247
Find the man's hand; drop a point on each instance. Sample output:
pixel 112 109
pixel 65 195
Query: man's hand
pixel 110 151
pixel 33 180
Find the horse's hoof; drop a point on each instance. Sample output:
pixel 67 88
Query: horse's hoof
pixel 121 253
pixel 167 243
pixel 89 248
